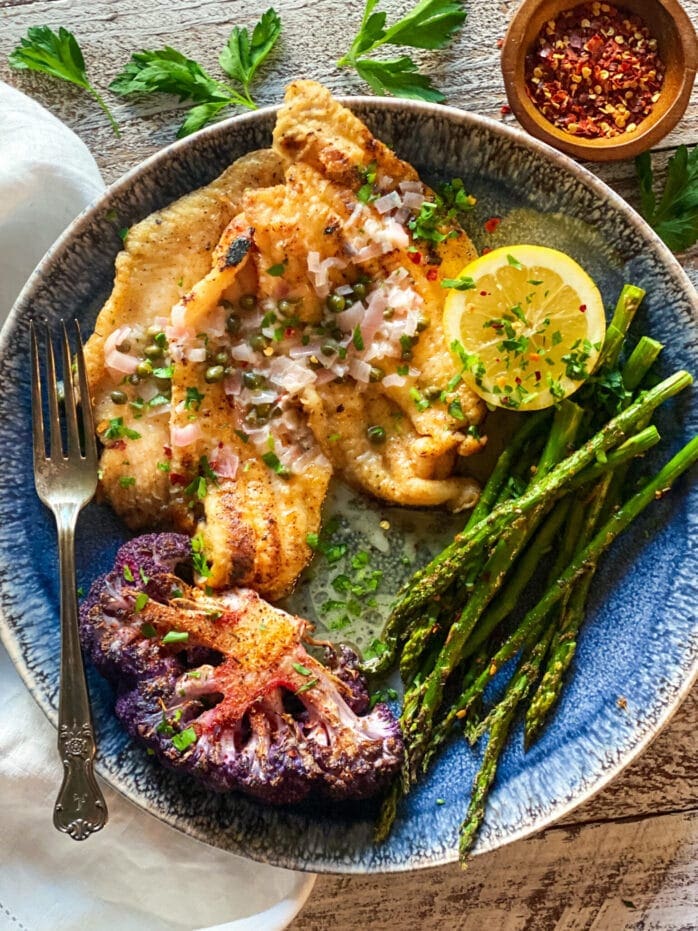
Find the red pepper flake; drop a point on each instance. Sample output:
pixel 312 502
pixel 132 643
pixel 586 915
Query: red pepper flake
pixel 492 224
pixel 415 257
pixel 177 479
pixel 594 71
pixel 583 308
pixel 505 109
pixel 486 249
pixel 500 43
pixel 484 293
pixel 289 332
pixel 517 380
pixel 432 274
pixel 167 450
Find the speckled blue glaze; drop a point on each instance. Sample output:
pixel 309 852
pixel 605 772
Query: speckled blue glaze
pixel 641 637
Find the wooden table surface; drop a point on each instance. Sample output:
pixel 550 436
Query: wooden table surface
pixel 629 857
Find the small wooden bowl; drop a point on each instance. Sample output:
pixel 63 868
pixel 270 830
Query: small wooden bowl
pixel 676 39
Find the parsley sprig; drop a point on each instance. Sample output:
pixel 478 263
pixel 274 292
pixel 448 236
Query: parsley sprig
pixel 168 71
pixel 430 25
pixel 59 55
pixel 674 217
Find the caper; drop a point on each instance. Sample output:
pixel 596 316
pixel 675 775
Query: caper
pixel 221 358
pixel 328 349
pixel 360 290
pixel 248 301
pixel 336 303
pixel 376 435
pixel 232 324
pixel 134 379
pixel 406 354
pixel 422 324
pixel 258 342
pixel 263 411
pixel 432 392
pixel 336 333
pixel 153 330
pixel 124 345
pixel 119 397
pixel 285 307
pixel 153 351
pixel 376 374
pixel 253 380
pixel 214 373
pixel 388 313
pixel 275 412
pixel 144 369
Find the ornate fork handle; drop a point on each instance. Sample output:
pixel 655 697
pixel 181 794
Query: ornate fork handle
pixel 80 809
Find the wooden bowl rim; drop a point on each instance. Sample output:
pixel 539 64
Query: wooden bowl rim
pixel 618 147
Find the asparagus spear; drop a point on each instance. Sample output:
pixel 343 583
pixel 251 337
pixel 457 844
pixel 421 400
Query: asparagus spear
pixel 534 621
pixel 564 643
pixel 441 571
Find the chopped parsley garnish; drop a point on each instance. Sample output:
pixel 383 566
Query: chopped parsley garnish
pixel 420 402
pixel 357 338
pixel 383 695
pixel 193 399
pixel 514 262
pixel 198 558
pixel 301 669
pixel 142 600
pixel 116 430
pixel 165 371
pixel 176 636
pixel 128 575
pixel 126 481
pixel 455 410
pixel 311 683
pixel 271 460
pixel 461 283
pixel 184 739
pixel 276 271
pixel 164 466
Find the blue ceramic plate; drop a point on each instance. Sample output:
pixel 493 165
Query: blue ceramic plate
pixel 640 640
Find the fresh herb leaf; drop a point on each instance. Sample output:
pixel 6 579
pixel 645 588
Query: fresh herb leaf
pixel 193 399
pixel 176 636
pixel 514 262
pixel 461 283
pixel 675 216
pixel 311 683
pixel 167 71
pixel 243 55
pixel 198 557
pixel 301 669
pixel 141 601
pixel 116 430
pixel 430 25
pixel 272 460
pixel 184 739
pixel 276 271
pixel 126 481
pixel 59 55
pixel 128 575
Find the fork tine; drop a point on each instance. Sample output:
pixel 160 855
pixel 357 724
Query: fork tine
pixel 37 412
pixel 71 414
pixel 85 401
pixel 56 450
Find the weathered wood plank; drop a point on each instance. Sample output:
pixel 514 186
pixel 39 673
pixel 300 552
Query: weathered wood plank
pixel 603 868
pixel 635 874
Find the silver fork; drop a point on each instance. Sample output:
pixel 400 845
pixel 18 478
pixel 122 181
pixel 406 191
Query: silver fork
pixel 65 481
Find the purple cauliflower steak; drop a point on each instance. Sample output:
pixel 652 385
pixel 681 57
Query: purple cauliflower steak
pixel 223 688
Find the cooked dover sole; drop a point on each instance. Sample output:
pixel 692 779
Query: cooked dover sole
pixel 280 325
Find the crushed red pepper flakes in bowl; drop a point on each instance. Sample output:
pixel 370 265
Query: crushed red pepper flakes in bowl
pixel 594 71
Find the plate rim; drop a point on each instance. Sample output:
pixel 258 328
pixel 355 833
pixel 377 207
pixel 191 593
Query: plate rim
pixel 518 137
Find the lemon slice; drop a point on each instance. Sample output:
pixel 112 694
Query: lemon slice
pixel 528 324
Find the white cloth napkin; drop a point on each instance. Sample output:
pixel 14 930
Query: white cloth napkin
pixel 137 874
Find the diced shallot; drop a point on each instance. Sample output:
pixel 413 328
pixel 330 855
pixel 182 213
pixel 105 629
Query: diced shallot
pixel 413 200
pixel 360 370
pixel 116 361
pixel 224 462
pixel 411 186
pixel 387 202
pixel 393 381
pixel 185 436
